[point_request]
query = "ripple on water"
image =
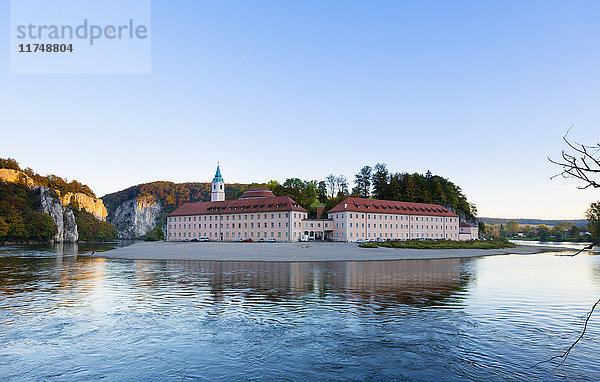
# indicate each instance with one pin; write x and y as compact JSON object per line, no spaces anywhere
{"x":73,"y":317}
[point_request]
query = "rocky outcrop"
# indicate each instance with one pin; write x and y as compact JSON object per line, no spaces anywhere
{"x":94,"y":206}
{"x":14,"y":176}
{"x":135,"y":217}
{"x":63,"y":216}
{"x":87,"y":203}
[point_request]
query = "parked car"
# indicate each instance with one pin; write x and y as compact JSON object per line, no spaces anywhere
{"x":185,"y":240}
{"x":194,"y":240}
{"x":304,"y":238}
{"x":238,"y":240}
{"x":360,"y":241}
{"x":270,"y":240}
{"x":380,"y":240}
{"x":260,"y":240}
{"x":203,"y":238}
{"x":247,"y":240}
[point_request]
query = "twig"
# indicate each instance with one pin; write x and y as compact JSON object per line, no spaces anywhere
{"x":582,"y":165}
{"x":566,"y":353}
{"x":588,"y":248}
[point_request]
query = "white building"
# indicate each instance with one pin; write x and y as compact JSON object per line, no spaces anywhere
{"x":468,"y":232}
{"x":259,"y":214}
{"x":360,"y":218}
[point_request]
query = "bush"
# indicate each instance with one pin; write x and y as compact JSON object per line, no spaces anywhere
{"x":156,"y":234}
{"x":443,"y":244}
{"x":368,"y":245}
{"x":92,"y":229}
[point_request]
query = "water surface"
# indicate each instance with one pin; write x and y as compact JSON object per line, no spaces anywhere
{"x":66,"y":316}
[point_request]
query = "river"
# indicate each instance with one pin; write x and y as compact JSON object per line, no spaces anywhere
{"x":65,"y":315}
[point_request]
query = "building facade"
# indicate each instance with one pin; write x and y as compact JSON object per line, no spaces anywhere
{"x":468,"y":231}
{"x":359,"y":218}
{"x":259,"y":214}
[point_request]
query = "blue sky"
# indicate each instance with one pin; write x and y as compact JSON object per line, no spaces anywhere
{"x":478,"y":92}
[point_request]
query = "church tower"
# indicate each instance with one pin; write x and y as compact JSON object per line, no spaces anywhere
{"x":218,"y":187}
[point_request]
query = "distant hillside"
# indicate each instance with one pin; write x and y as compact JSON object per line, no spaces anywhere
{"x":170,"y":195}
{"x":139,"y":209}
{"x":577,"y":222}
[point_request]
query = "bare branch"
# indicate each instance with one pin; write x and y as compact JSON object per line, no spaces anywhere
{"x":581,"y":165}
{"x":566,"y":353}
{"x":588,"y":248}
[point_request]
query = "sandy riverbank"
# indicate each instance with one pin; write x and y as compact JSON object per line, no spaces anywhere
{"x":299,"y":252}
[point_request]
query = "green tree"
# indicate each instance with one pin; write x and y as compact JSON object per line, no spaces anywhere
{"x":381,"y":177}
{"x":10,"y":164}
{"x":593,"y":217}
{"x":512,"y":228}
{"x":362,"y":182}
{"x":323,"y":192}
{"x":574,"y":232}
{"x":156,"y":234}
{"x":92,"y":229}
{"x":543,"y":232}
{"x":557,"y":232}
{"x":3,"y":228}
{"x":482,"y":229}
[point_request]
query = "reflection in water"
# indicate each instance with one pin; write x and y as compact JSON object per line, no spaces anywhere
{"x":418,"y":282}
{"x":69,"y":316}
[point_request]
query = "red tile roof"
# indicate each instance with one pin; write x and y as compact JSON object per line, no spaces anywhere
{"x":464,"y":224}
{"x":257,"y":192}
{"x":270,"y":204}
{"x":391,"y":207}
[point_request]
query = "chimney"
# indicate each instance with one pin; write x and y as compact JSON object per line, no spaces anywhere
{"x":319,"y":211}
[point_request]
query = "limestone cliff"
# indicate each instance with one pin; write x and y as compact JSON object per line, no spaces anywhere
{"x":15,"y":176}
{"x":63,"y":216}
{"x":135,"y":217}
{"x":94,"y":206}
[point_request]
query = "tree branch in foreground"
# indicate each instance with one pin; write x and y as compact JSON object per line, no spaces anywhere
{"x":582,"y":164}
{"x":566,"y":353}
{"x":588,"y":248}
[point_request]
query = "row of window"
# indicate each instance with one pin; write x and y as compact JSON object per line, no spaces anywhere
{"x":402,"y":226}
{"x":233,"y":225}
{"x":233,"y":217}
{"x":312,"y":225}
{"x":396,"y":235}
{"x":227,"y":234}
{"x":394,"y":217}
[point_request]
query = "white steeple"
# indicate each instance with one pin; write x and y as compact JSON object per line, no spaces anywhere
{"x":217,"y":193}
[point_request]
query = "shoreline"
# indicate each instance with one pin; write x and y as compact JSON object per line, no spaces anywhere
{"x":300,"y":252}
